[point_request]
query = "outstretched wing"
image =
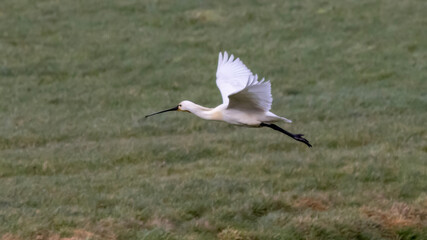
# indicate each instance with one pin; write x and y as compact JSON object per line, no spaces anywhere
{"x":255,"y":95}
{"x":231,"y":76}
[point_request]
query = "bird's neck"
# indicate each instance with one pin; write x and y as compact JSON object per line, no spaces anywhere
{"x":205,"y":113}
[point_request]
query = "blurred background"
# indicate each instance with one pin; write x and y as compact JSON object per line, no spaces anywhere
{"x":78,"y":161}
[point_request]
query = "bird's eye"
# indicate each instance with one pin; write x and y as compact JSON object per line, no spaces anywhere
{"x":179,"y":105}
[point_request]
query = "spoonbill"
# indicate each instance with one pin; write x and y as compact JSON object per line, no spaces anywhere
{"x":246,"y":101}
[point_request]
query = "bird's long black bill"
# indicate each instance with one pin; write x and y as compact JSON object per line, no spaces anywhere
{"x":168,"y":110}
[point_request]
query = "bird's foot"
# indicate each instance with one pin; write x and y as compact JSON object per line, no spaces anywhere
{"x":299,"y":138}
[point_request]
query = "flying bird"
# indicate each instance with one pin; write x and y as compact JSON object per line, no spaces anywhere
{"x":246,"y":101}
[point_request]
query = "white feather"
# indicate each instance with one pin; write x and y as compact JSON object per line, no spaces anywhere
{"x":231,"y":76}
{"x":239,"y":88}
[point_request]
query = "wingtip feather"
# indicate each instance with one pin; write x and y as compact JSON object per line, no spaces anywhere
{"x":231,"y":58}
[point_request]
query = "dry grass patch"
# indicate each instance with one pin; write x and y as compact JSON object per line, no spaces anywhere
{"x":205,"y":225}
{"x":314,"y":203}
{"x":78,"y":234}
{"x":203,"y":16}
{"x":399,"y":215}
{"x":159,"y":222}
{"x":9,"y":236}
{"x":102,"y":230}
{"x":232,"y":234}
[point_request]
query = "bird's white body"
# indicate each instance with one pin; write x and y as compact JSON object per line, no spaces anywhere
{"x":248,"y":117}
{"x":246,"y":101}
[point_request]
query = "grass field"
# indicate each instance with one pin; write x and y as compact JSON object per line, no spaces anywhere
{"x":78,"y":160}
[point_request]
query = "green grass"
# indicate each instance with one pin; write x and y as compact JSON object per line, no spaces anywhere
{"x":78,"y":159}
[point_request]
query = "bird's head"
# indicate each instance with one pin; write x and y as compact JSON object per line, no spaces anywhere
{"x":183,"y":106}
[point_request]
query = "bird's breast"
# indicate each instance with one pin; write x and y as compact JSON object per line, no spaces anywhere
{"x":217,"y":115}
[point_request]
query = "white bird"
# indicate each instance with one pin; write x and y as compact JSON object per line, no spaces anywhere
{"x":246,"y":101}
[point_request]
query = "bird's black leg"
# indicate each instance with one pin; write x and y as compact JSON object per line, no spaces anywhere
{"x":297,"y":137}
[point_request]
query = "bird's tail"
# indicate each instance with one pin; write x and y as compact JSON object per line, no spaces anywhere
{"x":286,"y":120}
{"x":275,"y":118}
